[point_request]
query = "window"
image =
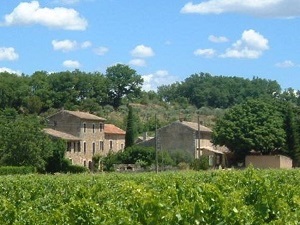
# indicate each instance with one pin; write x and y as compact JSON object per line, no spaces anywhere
{"x":84,"y":127}
{"x":122,"y":146}
{"x":93,"y":128}
{"x":84,"y":163}
{"x":69,"y":146}
{"x":110,"y":144}
{"x":90,"y":165}
{"x":94,"y":148}
{"x":84,"y":147}
{"x":101,"y":145}
{"x":101,"y":127}
{"x":78,"y":146}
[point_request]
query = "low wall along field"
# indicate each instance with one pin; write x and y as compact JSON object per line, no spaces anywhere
{"x":215,"y":197}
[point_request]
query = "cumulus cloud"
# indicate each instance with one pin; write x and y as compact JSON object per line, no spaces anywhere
{"x":8,"y":54}
{"x":216,"y":39}
{"x":64,"y":45}
{"x":160,"y":77}
{"x":8,"y":70}
{"x":71,"y":64}
{"x":101,"y":50}
{"x":28,"y":13}
{"x":251,"y":45}
{"x":208,"y":53}
{"x":68,"y":45}
{"x":263,"y":8}
{"x":138,"y":62}
{"x":142,"y":51}
{"x":285,"y":64}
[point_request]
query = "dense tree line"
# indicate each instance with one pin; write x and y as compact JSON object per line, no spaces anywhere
{"x":78,"y":90}
{"x":217,"y":91}
{"x":73,"y":90}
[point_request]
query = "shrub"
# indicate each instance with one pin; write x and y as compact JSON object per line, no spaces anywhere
{"x":12,"y":170}
{"x":201,"y":164}
{"x":76,"y":169}
{"x":183,"y":166}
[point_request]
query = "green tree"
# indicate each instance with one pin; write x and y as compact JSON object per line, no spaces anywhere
{"x":13,"y":90}
{"x":40,"y":92}
{"x":205,"y":90}
{"x":22,"y":141}
{"x":131,"y":131}
{"x":291,"y":124}
{"x":253,"y":125}
{"x":57,"y":161}
{"x":122,"y":81}
{"x":138,"y":154}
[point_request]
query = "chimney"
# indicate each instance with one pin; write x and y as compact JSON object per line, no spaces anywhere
{"x":145,"y":136}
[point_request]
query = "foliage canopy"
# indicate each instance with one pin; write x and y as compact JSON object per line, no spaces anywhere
{"x":253,"y":125}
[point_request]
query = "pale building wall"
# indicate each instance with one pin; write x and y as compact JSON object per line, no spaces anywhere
{"x":116,"y":140}
{"x":176,"y":137}
{"x":268,"y":161}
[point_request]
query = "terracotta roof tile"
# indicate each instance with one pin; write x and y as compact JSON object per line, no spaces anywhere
{"x":112,"y":129}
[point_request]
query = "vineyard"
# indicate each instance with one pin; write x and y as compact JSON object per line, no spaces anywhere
{"x":215,"y":197}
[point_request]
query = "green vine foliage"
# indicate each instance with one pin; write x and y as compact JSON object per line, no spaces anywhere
{"x":253,"y":197}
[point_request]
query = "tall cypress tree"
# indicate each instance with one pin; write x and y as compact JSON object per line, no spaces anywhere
{"x":292,"y":134}
{"x":130,"y":129}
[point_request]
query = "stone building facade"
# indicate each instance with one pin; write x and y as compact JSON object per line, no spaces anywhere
{"x":192,"y":138}
{"x":86,"y":135}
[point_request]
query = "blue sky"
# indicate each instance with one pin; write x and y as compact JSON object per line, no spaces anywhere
{"x":164,"y":41}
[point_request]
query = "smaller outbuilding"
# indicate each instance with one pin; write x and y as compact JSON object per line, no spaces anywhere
{"x":269,"y":161}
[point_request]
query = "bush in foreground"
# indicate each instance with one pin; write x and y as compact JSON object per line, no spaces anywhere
{"x":13,"y":170}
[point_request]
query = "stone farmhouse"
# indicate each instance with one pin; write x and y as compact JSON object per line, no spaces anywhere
{"x":192,"y":138}
{"x":86,"y":135}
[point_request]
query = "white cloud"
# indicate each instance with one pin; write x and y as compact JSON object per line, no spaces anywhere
{"x":208,"y":53}
{"x":8,"y":70}
{"x":251,"y":45}
{"x":285,"y":64}
{"x":86,"y":44}
{"x":264,"y":8}
{"x":27,"y":13}
{"x":137,"y":62}
{"x":8,"y":54}
{"x":216,"y":39}
{"x":160,"y":77}
{"x":64,"y":45}
{"x":101,"y":50}
{"x":71,"y":64}
{"x":142,"y":51}
{"x":68,"y":45}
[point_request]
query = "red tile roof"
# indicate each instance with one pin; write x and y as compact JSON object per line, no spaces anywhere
{"x":112,"y":129}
